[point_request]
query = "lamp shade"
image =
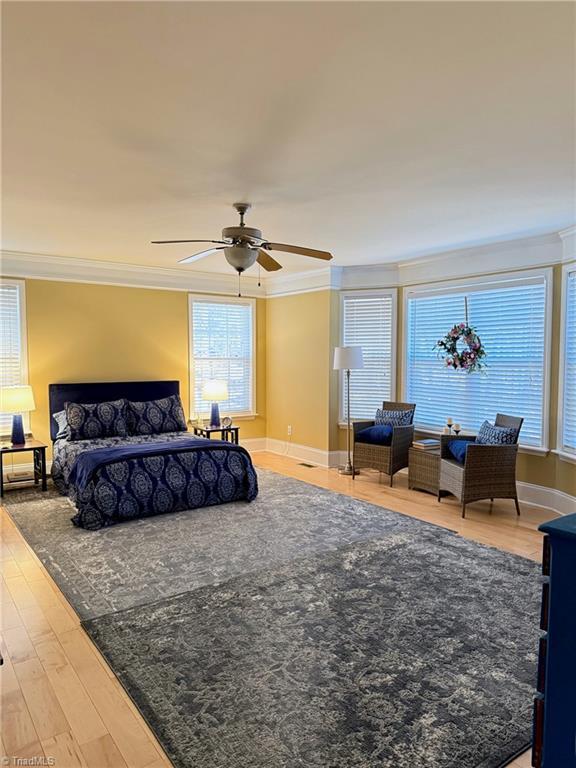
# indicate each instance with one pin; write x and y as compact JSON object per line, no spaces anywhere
{"x":348,"y":358}
{"x":16,"y":399}
{"x":215,"y":390}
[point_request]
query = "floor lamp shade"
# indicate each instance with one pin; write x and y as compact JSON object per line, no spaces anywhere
{"x":348,"y":358}
{"x":215,"y":391}
{"x":17,"y":400}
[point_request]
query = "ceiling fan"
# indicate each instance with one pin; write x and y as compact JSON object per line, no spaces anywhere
{"x":243,"y":246}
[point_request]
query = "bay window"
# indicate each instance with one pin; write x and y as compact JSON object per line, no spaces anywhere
{"x":511,"y":316}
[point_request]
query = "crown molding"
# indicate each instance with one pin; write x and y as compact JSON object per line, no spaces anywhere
{"x":66,"y":269}
{"x":502,"y":256}
{"x":567,"y":232}
{"x":370,"y":276}
{"x":568,"y":238}
{"x":325,"y":279}
{"x":511,"y":255}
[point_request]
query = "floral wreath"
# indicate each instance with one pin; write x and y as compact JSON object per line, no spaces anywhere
{"x":469,"y":359}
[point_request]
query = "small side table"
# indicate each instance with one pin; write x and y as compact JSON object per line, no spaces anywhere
{"x":424,"y":469}
{"x":39,"y":451}
{"x":229,"y":434}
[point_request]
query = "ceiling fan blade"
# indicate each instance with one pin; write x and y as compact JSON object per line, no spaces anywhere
{"x":267,"y":262}
{"x":164,"y":242}
{"x":298,"y":249}
{"x":198,"y":256}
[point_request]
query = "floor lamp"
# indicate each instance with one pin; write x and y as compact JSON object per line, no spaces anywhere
{"x":348,"y":359}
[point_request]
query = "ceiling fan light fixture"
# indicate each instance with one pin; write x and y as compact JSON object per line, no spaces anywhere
{"x":241,"y":257}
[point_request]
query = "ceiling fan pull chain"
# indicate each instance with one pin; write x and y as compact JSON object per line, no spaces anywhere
{"x":259,"y":284}
{"x":239,"y":276}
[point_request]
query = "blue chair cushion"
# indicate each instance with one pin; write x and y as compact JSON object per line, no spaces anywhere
{"x":458,"y":449}
{"x":379,"y":434}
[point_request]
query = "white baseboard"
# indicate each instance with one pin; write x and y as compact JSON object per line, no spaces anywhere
{"x":536,"y":495}
{"x":550,"y":498}
{"x":303,"y":452}
{"x":254,"y":444}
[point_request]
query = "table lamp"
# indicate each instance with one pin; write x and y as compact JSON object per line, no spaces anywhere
{"x":17,"y":400}
{"x":215,"y":391}
{"x":347,"y":359}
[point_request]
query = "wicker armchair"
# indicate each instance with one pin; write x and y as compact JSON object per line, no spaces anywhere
{"x":488,"y":472}
{"x":385,"y":458}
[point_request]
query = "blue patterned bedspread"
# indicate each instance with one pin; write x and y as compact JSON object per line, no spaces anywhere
{"x":171,"y":472}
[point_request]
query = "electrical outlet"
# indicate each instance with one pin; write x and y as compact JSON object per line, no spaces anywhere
{"x":289,"y":430}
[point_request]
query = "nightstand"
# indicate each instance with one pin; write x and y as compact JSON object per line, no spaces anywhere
{"x":39,"y":451}
{"x":229,"y":434}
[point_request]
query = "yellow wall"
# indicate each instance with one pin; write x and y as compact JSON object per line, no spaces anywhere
{"x":83,"y":332}
{"x":298,"y":369}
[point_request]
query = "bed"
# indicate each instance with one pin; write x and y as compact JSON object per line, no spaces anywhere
{"x":115,"y":478}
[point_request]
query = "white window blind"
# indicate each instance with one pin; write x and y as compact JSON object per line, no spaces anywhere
{"x":511,"y":322}
{"x":12,"y":342}
{"x":569,"y":362}
{"x":367,"y":321}
{"x":222,"y":345}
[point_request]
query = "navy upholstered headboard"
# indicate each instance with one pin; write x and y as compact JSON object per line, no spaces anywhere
{"x":99,"y":392}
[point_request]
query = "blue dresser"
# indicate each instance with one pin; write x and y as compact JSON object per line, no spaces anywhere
{"x":554,"y":742}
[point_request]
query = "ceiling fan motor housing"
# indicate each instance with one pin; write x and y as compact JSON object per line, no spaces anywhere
{"x":248,"y":234}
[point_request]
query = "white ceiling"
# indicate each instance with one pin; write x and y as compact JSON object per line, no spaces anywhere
{"x":379,"y":131}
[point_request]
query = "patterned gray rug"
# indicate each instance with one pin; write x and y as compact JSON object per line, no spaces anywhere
{"x":306,"y":629}
{"x":146,"y":560}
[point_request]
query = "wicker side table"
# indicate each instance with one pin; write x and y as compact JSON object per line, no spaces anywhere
{"x":424,"y":470}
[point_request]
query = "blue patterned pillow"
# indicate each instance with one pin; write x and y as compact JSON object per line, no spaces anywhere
{"x":394,"y":418}
{"x":88,"y":421}
{"x":153,"y":417}
{"x":63,"y":428}
{"x":488,"y":434}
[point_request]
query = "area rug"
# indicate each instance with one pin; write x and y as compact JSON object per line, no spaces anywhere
{"x":145,"y":560}
{"x":383,"y":642}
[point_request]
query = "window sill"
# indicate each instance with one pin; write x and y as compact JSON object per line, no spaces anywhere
{"x":564,"y":456}
{"x":533,"y":450}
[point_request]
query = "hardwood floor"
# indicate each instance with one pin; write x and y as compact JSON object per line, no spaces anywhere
{"x":60,"y":700}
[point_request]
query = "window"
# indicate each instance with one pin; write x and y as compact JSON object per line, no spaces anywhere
{"x":222,"y":347}
{"x":567,"y":421}
{"x":511,"y":319}
{"x":369,"y":321}
{"x":13,"y":352}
